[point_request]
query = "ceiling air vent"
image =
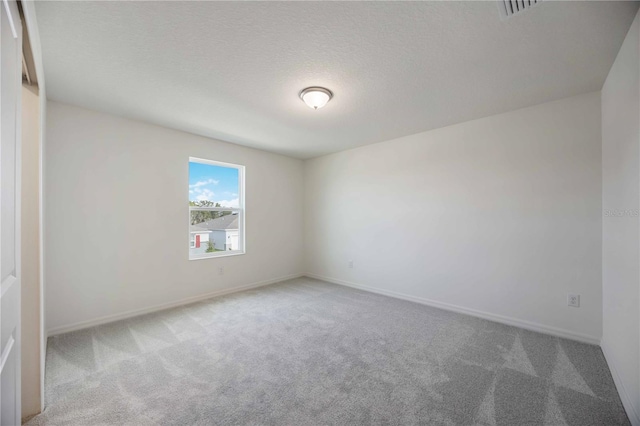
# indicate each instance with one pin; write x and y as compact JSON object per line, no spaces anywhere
{"x":508,"y":8}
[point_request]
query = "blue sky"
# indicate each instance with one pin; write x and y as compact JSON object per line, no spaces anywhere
{"x":213,"y":183}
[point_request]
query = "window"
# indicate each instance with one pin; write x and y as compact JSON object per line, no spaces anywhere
{"x":216,"y":209}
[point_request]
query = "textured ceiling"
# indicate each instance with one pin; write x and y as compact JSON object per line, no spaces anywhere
{"x":233,"y":70}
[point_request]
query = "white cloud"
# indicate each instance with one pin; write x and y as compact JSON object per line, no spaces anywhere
{"x":205,"y":194}
{"x":229,"y":203}
{"x":203,"y":183}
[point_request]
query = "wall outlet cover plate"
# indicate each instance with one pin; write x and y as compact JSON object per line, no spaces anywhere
{"x":573,"y":300}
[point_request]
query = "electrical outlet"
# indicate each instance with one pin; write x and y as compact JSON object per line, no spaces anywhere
{"x":351,"y":264}
{"x":573,"y":300}
{"x":221,"y":270}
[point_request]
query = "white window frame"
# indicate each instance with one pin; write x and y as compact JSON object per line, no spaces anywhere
{"x":240,"y":210}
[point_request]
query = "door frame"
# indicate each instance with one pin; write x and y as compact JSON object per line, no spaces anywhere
{"x":29,"y":11}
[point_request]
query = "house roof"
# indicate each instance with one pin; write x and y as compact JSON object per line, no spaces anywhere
{"x":225,"y":222}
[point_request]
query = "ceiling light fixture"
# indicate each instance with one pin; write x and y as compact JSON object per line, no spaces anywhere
{"x":316,"y":97}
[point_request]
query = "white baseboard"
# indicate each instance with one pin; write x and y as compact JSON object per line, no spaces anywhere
{"x":133,"y":313}
{"x":631,"y":407}
{"x":568,"y":334}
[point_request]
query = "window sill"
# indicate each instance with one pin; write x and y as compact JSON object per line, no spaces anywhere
{"x":217,"y":254}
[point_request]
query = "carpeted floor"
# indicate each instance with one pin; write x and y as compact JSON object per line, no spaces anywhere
{"x":304,"y":352}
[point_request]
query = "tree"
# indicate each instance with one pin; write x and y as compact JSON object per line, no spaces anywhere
{"x":199,"y":216}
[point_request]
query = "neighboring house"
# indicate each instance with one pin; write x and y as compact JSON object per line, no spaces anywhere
{"x":199,"y":238}
{"x":221,"y":231}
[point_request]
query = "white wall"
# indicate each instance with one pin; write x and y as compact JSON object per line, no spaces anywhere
{"x":500,"y":215}
{"x":621,"y":229}
{"x":110,"y":181}
{"x":30,"y":251}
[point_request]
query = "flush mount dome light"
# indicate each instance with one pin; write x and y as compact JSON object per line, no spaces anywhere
{"x":316,"y":97}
